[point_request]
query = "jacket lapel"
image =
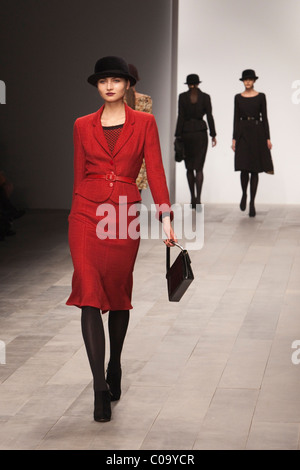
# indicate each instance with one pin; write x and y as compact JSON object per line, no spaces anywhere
{"x":98,"y":131}
{"x":127,"y":130}
{"x":124,"y":135}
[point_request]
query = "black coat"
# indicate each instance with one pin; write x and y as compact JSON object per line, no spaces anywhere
{"x":192,"y":128}
{"x":188,"y":111}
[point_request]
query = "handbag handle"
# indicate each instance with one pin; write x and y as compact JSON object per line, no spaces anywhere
{"x":168,"y":254}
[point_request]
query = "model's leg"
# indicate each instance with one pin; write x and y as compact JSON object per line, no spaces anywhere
{"x":191,"y":182}
{"x":199,"y":183}
{"x":94,"y":339}
{"x":117,"y":326}
{"x":253,"y":190}
{"x":244,"y":184}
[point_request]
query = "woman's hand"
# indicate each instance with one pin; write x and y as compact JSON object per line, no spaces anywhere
{"x":269,"y":144}
{"x":213,"y":142}
{"x":233,"y":144}
{"x":168,"y":229}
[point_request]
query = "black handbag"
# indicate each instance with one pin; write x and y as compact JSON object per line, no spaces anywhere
{"x":179,"y":275}
{"x":179,"y":150}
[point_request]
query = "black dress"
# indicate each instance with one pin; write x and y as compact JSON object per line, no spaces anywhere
{"x":192,"y":128}
{"x":251,"y":132}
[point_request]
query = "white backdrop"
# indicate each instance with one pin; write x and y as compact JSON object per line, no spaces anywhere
{"x":217,"y":40}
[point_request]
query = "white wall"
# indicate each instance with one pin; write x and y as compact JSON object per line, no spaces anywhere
{"x":220,"y":38}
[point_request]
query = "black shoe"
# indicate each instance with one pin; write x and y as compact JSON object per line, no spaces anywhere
{"x":252,"y":211}
{"x":193,"y":203}
{"x":113,"y":379}
{"x":243,"y":202}
{"x":102,"y":410}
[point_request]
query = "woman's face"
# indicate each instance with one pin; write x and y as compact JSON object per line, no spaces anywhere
{"x":249,"y":83}
{"x":112,"y":89}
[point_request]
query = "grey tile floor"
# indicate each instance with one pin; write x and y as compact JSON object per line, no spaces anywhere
{"x":214,"y":371}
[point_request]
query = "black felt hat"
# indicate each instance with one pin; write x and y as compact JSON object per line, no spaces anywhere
{"x":192,"y":79}
{"x":249,"y":73}
{"x":111,"y":66}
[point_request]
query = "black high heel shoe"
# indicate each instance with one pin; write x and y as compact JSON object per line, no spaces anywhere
{"x":113,"y":379}
{"x":102,"y":409}
{"x":252,"y":211}
{"x":243,"y":202}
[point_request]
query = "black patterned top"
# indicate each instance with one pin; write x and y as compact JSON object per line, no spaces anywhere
{"x":112,"y":134}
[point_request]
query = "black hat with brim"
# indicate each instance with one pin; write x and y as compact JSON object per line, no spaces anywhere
{"x":192,"y":79}
{"x":250,"y":74}
{"x":111,"y":66}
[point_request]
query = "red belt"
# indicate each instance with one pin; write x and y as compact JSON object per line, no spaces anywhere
{"x":112,"y":177}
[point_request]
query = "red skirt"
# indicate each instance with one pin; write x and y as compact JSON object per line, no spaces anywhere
{"x":104,"y":240}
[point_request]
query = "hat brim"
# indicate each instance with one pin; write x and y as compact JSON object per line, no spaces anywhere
{"x":192,"y":83}
{"x":93,"y":79}
{"x":250,"y":77}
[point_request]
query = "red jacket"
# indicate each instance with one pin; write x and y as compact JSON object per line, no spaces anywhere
{"x":139,"y":138}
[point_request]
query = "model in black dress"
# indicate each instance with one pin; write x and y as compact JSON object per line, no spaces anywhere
{"x":251,"y":138}
{"x":193,"y":105}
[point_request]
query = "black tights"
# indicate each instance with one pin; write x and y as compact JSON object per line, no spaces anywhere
{"x":253,"y":184}
{"x":94,"y":339}
{"x":195,"y":181}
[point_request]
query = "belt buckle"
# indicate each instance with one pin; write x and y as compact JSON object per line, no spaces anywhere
{"x":110,"y":176}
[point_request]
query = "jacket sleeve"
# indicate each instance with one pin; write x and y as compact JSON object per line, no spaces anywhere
{"x":210,"y":119}
{"x":180,"y":118}
{"x":264,"y":116}
{"x":79,"y":159}
{"x":236,"y":118}
{"x":155,"y":169}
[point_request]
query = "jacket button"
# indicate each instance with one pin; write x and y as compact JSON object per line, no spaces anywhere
{"x":111,"y":162}
{"x":111,"y":184}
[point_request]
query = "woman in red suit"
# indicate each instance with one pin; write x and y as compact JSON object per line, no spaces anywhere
{"x":109,"y":147}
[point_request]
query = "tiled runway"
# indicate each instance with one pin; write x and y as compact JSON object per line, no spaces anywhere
{"x":214,"y":371}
